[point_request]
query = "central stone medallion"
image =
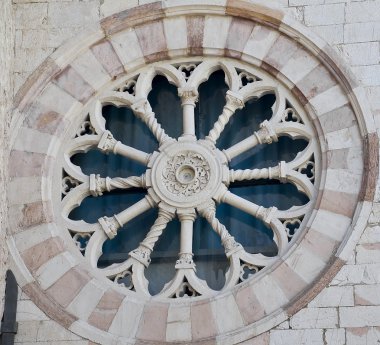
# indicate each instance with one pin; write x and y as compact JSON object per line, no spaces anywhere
{"x":186,"y":173}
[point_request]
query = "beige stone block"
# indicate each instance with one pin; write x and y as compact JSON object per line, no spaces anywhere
{"x":269,"y":294}
{"x":36,"y":256}
{"x":54,"y":269}
{"x":344,"y":138}
{"x":131,"y":311}
{"x":249,"y":306}
{"x":105,"y":311}
{"x":343,"y":180}
{"x":315,"y":318}
{"x":109,"y":7}
{"x":306,"y":264}
{"x":30,"y":140}
{"x":215,"y":33}
{"x":34,"y":235}
{"x":370,"y":235}
{"x":44,"y":302}
{"x":68,"y":286}
{"x":334,"y":296}
{"x":239,"y":33}
{"x":176,"y":34}
{"x":59,"y":35}
{"x":87,"y":299}
{"x":28,"y":311}
{"x":30,"y":16}
{"x":320,"y":245}
{"x":73,"y":14}
{"x":367,"y":294}
{"x":178,"y":331}
{"x":26,"y":215}
{"x":28,"y":59}
{"x":177,"y":313}
{"x":329,"y":100}
{"x":226,"y":314}
{"x":335,"y":336}
{"x":70,"y":81}
{"x":361,"y":32}
{"x":296,"y":337}
{"x":365,"y":53}
{"x":339,"y":202}
{"x":97,"y":337}
{"x":338,"y":119}
{"x":152,"y":41}
{"x":324,"y":14}
{"x":128,"y":49}
{"x":300,"y":58}
{"x":56,"y":99}
{"x":106,"y":55}
{"x":195,"y":32}
{"x":368,"y":253}
{"x":42,"y":120}
{"x":203,"y":324}
{"x":358,"y":274}
{"x":368,"y":75}
{"x":333,"y":34}
{"x":289,"y":282}
{"x":281,"y":52}
{"x":362,"y":335}
{"x":27,"y":331}
{"x":30,"y":187}
{"x":359,"y":316}
{"x":31,"y":38}
{"x":366,"y":11}
{"x":91,"y":70}
{"x":52,"y":331}
{"x":27,"y":164}
{"x":329,"y":224}
{"x":261,"y":40}
{"x":153,"y":322}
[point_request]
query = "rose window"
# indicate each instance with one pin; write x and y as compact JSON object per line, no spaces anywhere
{"x":200,"y":191}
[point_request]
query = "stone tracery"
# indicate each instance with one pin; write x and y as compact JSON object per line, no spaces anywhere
{"x":188,"y":177}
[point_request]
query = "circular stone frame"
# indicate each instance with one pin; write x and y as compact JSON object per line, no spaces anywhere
{"x":52,"y":272}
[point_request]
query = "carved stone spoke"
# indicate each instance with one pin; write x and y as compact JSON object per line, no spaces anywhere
{"x":109,"y":144}
{"x":99,"y":185}
{"x":187,"y":176}
{"x":143,"y":111}
{"x":234,"y":101}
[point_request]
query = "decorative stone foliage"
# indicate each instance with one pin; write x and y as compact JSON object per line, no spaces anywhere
{"x":51,"y":269}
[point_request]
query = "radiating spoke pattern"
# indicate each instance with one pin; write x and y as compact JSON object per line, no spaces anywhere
{"x":189,"y":177}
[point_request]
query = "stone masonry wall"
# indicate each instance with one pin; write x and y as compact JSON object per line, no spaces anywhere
{"x":6,"y":58}
{"x":346,"y":312}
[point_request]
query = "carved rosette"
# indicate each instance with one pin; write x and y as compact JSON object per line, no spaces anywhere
{"x":186,"y":174}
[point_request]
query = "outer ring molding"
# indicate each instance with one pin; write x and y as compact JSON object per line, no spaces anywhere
{"x":60,"y":282}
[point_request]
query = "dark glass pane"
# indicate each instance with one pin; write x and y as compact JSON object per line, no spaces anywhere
{"x":167,"y":105}
{"x":212,"y":98}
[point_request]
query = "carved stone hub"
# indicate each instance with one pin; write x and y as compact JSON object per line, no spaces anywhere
{"x":186,"y":173}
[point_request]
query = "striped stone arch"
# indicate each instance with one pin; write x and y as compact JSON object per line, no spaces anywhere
{"x":61,"y":282}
